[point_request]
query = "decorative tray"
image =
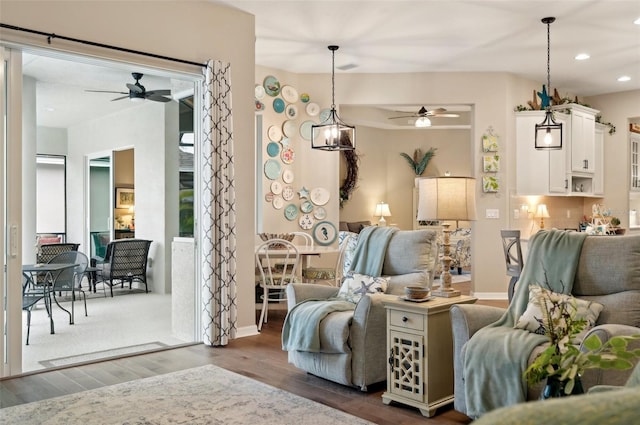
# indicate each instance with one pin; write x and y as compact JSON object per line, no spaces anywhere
{"x":417,"y":300}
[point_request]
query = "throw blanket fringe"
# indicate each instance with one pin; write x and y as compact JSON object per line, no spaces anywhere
{"x":368,"y":257}
{"x":496,"y":356}
{"x":301,"y":330}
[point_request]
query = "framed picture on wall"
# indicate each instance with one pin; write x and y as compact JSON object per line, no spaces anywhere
{"x":124,"y":197}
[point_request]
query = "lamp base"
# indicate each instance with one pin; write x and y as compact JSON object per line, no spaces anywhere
{"x":382,"y":222}
{"x":446,"y":292}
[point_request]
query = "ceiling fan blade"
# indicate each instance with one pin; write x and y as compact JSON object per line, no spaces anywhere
{"x":436,"y":111}
{"x":134,"y":88}
{"x":446,"y":115}
{"x":158,"y":98}
{"x":120,"y":98}
{"x":159,"y":92}
{"x":403,"y":116}
{"x":105,"y":91}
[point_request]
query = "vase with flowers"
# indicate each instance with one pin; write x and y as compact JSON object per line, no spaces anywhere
{"x":562,"y":363}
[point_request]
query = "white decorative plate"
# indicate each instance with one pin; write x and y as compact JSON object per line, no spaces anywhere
{"x":272,"y":169}
{"x":306,"y":207}
{"x":274,"y":133}
{"x":278,"y":202}
{"x":259,"y":91}
{"x":287,"y":155}
{"x":320,"y":213}
{"x":287,"y":176}
{"x":306,"y":221}
{"x":324,"y":115}
{"x":288,"y":192}
{"x":291,"y":112}
{"x":312,"y":109}
{"x":289,"y":94}
{"x":320,"y":196}
{"x":324,"y":233}
{"x":305,"y":129}
{"x":276,"y":187}
{"x":289,"y":128}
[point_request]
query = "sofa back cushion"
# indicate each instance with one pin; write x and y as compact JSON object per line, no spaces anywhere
{"x":411,"y":259}
{"x":609,"y":273}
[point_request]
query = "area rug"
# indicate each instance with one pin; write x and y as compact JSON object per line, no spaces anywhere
{"x":203,"y":395}
{"x":87,"y":357}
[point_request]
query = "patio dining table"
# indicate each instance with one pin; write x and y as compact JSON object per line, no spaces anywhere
{"x":51,"y":271}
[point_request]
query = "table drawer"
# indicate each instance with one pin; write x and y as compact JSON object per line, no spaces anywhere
{"x":406,"y":320}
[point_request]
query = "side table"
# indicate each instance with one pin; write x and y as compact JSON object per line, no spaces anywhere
{"x":420,"y":347}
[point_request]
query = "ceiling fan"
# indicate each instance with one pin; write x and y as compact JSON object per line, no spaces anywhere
{"x":423,"y":112}
{"x":138,"y":92}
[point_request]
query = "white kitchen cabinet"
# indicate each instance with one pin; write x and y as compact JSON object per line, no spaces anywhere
{"x":575,"y":170}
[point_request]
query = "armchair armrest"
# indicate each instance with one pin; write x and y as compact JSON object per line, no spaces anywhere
{"x":466,"y":320}
{"x":298,"y":292}
{"x":609,"y":377}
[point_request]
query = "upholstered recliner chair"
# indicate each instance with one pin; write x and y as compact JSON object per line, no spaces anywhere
{"x":353,"y":343}
{"x":608,"y":272}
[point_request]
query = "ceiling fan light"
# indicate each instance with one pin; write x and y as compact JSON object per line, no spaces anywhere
{"x":423,"y":122}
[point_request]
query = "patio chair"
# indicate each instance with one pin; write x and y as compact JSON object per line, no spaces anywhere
{"x":30,"y":297}
{"x":125,"y":261}
{"x":68,"y":280}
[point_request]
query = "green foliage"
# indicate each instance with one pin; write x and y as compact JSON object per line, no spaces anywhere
{"x":562,"y":358}
{"x":419,"y":162}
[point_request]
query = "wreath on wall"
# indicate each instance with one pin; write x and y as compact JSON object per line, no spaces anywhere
{"x":349,"y":184}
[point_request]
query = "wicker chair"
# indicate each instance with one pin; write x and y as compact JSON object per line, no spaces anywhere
{"x":125,"y":261}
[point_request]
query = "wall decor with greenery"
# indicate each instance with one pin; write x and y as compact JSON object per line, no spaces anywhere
{"x":419,"y":162}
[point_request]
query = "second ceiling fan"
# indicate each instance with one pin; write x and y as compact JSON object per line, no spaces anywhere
{"x":137,"y":91}
{"x":423,"y":114}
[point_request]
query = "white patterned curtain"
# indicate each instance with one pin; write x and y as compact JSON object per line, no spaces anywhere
{"x":218,"y":222}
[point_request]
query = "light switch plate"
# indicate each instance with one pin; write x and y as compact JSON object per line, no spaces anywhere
{"x":492,"y":213}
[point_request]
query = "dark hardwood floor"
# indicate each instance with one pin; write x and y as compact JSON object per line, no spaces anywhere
{"x":259,"y":357}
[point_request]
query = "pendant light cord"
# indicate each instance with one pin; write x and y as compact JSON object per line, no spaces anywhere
{"x":549,"y":60}
{"x":333,"y":76}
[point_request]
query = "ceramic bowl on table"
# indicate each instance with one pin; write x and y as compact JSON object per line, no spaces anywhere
{"x":416,"y":292}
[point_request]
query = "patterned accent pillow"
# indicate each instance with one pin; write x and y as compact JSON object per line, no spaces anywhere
{"x":355,"y":285}
{"x":352,"y":242}
{"x":531,"y":319}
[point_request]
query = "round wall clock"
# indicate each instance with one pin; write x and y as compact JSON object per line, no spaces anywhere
{"x":324,"y":233}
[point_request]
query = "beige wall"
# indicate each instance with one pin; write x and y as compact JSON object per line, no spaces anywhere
{"x":195,"y":31}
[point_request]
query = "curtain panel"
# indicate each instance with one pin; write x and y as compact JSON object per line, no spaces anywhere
{"x":218,"y":219}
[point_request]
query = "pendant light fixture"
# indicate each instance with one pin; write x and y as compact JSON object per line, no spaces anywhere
{"x":333,"y":134}
{"x":548,"y":132}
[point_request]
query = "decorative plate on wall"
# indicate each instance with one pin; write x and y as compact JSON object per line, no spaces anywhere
{"x":272,"y":169}
{"x":276,"y":187}
{"x":274,"y":133}
{"x":291,"y":111}
{"x":304,"y":97}
{"x":268,"y":197}
{"x":312,"y":109}
{"x":287,"y":176}
{"x":289,"y":128}
{"x":288,"y":192}
{"x":306,"y":221}
{"x":259,"y":106}
{"x":273,"y":149}
{"x":278,"y":202}
{"x":287,"y":155}
{"x":324,"y":233}
{"x":324,"y":115}
{"x":289,"y":94}
{"x":278,"y":105}
{"x":305,"y":129}
{"x":306,"y":207}
{"x":291,"y":212}
{"x":271,"y":85}
{"x":320,"y":196}
{"x":259,"y":91}
{"x":320,"y":213}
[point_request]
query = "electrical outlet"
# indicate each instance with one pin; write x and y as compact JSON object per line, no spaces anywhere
{"x":492,"y":213}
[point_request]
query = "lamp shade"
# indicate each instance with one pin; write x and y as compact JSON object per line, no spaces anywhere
{"x":447,"y":198}
{"x":542,"y":211}
{"x":382,"y":210}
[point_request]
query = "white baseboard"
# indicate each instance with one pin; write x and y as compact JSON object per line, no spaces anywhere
{"x":247,"y":331}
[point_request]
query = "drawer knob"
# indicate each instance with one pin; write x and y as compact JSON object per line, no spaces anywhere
{"x":405,"y":318}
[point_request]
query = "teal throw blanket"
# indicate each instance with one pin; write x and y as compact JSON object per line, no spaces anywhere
{"x":368,"y":257}
{"x":301,"y":330}
{"x":496,"y":356}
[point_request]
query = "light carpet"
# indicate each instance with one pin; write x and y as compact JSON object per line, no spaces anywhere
{"x":203,"y":395}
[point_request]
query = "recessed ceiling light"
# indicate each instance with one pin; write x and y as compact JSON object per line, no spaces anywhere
{"x":582,"y":56}
{"x":637,"y":21}
{"x":624,"y":78}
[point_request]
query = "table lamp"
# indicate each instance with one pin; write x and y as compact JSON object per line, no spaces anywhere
{"x":382,"y":211}
{"x":446,"y":198}
{"x":542,"y":213}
